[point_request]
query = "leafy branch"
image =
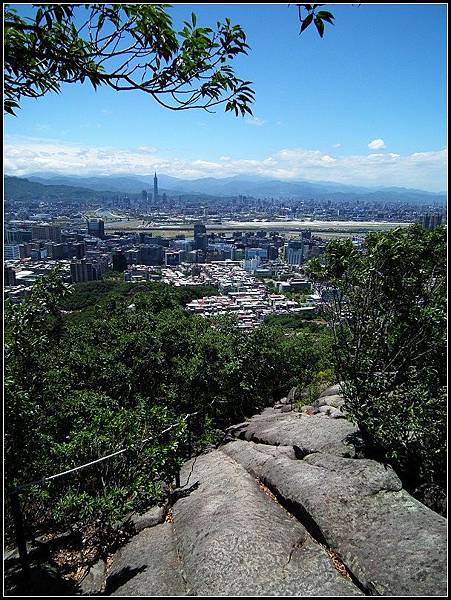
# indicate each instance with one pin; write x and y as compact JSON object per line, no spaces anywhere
{"x":125,"y":47}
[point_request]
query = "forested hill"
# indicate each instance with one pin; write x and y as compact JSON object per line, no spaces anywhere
{"x":17,"y":188}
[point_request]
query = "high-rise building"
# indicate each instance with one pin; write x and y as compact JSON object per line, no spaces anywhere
{"x":96,"y":228}
{"x":119,"y":261}
{"x":44,"y":231}
{"x":11,"y":252}
{"x":78,"y":250}
{"x":82,"y":270}
{"x":426,"y":221}
{"x":431,"y":221}
{"x":155,"y":188}
{"x":201,"y":242}
{"x":436,"y":220}
{"x":150,"y":254}
{"x":25,"y":250}
{"x":39,"y":254}
{"x":295,"y":252}
{"x":200,"y":237}
{"x":18,"y":236}
{"x":273,"y":252}
{"x":199,"y":229}
{"x":261,"y":253}
{"x":132,"y":256}
{"x":172,"y":258}
{"x":55,"y":251}
{"x":10,"y":276}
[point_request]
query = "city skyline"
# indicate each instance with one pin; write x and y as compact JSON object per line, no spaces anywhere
{"x":365,"y":105}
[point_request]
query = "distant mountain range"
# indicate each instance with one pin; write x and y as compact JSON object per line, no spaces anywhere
{"x":258,"y":187}
{"x":18,"y":188}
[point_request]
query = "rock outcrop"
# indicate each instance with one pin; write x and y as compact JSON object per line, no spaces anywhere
{"x":285,"y":508}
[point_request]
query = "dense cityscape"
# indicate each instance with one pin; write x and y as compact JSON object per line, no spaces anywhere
{"x":251,"y":269}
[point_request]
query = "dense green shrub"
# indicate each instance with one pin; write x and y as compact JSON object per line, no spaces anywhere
{"x":131,"y":363}
{"x":387,"y":310}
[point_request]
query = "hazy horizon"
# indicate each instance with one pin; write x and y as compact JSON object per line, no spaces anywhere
{"x":244,"y":176}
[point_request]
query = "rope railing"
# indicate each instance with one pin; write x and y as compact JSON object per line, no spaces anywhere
{"x":14,"y":494}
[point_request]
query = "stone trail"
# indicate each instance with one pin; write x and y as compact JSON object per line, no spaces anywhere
{"x":270,"y":509}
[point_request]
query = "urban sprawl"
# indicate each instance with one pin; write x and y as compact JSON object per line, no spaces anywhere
{"x":254,"y":271}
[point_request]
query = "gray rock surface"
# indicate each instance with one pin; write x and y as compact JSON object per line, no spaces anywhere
{"x":326,"y":409}
{"x":337,"y":414}
{"x":310,"y":433}
{"x":147,"y":566}
{"x":331,"y":391}
{"x":308,"y":409}
{"x":331,"y":400}
{"x":231,"y":537}
{"x":393,"y":544}
{"x":94,"y":581}
{"x":234,"y":540}
{"x":152,"y":517}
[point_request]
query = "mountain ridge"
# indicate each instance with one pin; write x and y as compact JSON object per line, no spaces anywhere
{"x":252,"y":186}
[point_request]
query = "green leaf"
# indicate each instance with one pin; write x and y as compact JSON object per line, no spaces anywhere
{"x":306,"y":22}
{"x":326,"y":16}
{"x":319,"y":26}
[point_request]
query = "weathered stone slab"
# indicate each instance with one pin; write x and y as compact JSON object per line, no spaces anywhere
{"x":331,"y":391}
{"x":234,"y":540}
{"x":93,"y":583}
{"x":332,"y":400}
{"x":307,"y":432}
{"x":147,"y":566}
{"x":154,"y":516}
{"x":393,"y":544}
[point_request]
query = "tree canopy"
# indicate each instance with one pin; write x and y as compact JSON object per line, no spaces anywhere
{"x":125,"y":47}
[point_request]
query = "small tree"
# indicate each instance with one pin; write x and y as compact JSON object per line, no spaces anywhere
{"x":387,"y":309}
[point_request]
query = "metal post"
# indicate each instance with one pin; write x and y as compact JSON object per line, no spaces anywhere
{"x":20,"y":533}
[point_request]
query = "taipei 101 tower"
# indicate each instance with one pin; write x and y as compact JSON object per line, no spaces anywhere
{"x":155,"y":188}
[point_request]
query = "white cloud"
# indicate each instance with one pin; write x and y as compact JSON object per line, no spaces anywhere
{"x":255,"y":121}
{"x":377,"y":144}
{"x":336,"y":145}
{"x":424,"y":170}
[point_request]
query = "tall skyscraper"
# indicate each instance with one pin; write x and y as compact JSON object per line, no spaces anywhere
{"x":155,"y":188}
{"x":96,"y":228}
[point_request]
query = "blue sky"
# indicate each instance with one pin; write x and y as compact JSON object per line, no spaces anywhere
{"x":364,"y":105}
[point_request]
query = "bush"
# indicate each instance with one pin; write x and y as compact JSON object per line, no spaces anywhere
{"x":124,"y":369}
{"x":387,"y":311}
